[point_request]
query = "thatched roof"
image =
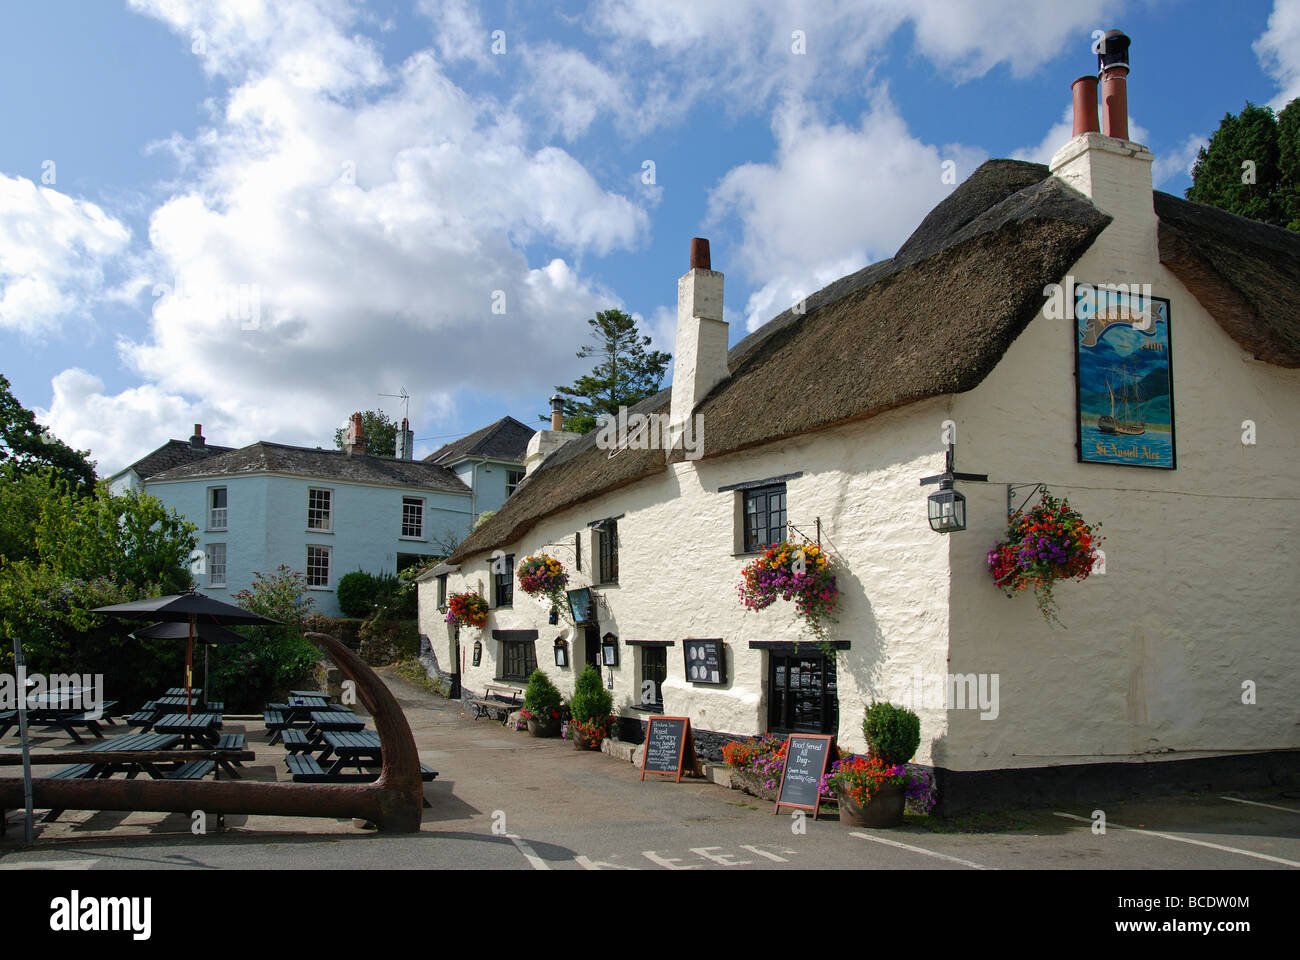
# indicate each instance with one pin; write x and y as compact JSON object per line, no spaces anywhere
{"x":935,"y":319}
{"x":315,"y":463}
{"x":1246,"y":274}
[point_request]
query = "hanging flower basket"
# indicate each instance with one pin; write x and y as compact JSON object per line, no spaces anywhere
{"x":1049,"y":543}
{"x":801,"y":572}
{"x":467,"y":609}
{"x":543,"y":576}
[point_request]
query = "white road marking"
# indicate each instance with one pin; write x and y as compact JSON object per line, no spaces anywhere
{"x":589,"y":864}
{"x":721,"y":859}
{"x":764,"y":853}
{"x":1255,"y":803}
{"x":1174,"y":836}
{"x":48,"y":864}
{"x":537,"y":862}
{"x":928,"y":853}
{"x":668,"y":862}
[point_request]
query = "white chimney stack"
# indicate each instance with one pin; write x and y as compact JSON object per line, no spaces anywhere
{"x":700,"y":354}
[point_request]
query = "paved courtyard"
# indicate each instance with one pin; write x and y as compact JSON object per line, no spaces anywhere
{"x":504,"y":800}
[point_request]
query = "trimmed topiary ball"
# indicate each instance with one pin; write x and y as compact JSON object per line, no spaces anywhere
{"x":893,"y":733}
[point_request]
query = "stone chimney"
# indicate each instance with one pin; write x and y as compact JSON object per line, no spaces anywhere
{"x":354,"y":440}
{"x":197,"y":441}
{"x":543,"y":443}
{"x":405,"y":441}
{"x":1106,"y":166}
{"x":700,"y":353}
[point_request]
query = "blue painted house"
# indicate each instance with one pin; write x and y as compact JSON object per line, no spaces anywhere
{"x":489,"y":461}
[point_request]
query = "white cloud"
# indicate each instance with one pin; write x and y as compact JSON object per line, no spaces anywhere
{"x":342,"y":229}
{"x":1179,"y":161}
{"x":53,"y":249}
{"x":834,"y":199}
{"x":1278,"y":50}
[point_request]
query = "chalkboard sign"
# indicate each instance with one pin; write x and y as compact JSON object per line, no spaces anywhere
{"x":669,"y":747}
{"x":807,"y":757}
{"x":706,"y":661}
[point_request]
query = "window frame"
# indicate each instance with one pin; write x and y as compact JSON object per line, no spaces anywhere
{"x":212,"y":565}
{"x":607,"y":552}
{"x":329,"y":510}
{"x":225,"y":511}
{"x":506,"y":580}
{"x":418,"y":503}
{"x":510,"y":657}
{"x":577,"y":551}
{"x":829,"y":694}
{"x":519,"y":478}
{"x":660,"y":652}
{"x":750,"y":495}
{"x":329,"y":561}
{"x":442,"y":591}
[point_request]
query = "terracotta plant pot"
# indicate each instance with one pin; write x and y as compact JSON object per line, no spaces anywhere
{"x":537,"y":729}
{"x":884,"y":810}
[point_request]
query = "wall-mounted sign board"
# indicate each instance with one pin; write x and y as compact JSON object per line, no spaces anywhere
{"x":669,"y":747}
{"x":706,"y":661}
{"x":580,"y":605}
{"x":807,"y":758}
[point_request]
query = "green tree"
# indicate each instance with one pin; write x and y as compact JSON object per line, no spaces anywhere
{"x":28,"y":446}
{"x":1251,"y":166}
{"x":625,"y":375}
{"x":380,"y":434}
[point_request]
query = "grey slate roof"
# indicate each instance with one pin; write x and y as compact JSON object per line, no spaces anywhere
{"x":507,"y":439}
{"x":264,"y":457}
{"x":173,"y":453}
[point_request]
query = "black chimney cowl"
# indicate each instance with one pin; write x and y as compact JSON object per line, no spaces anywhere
{"x":1113,"y":50}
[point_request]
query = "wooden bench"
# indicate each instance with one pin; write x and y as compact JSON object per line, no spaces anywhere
{"x":306,"y":769}
{"x":274,"y":720}
{"x":499,"y":699}
{"x":194,"y":770}
{"x":295,"y":741}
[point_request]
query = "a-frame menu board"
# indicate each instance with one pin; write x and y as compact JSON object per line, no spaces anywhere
{"x":807,"y":758}
{"x":669,"y":747}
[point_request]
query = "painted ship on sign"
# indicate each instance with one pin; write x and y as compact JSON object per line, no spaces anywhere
{"x":1121,"y":420}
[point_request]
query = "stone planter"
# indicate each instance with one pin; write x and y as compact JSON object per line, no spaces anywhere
{"x":551,"y":729}
{"x":752,"y":784}
{"x":884,"y":810}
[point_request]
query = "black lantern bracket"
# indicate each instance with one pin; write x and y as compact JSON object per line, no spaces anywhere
{"x":1012,"y":489}
{"x":945,"y":481}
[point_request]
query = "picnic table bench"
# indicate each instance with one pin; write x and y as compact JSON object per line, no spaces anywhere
{"x":497,"y":698}
{"x":307,"y":769}
{"x":201,"y":727}
{"x":53,"y":717}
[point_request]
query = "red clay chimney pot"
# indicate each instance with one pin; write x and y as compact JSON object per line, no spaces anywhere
{"x":700,"y":254}
{"x":1085,"y":105}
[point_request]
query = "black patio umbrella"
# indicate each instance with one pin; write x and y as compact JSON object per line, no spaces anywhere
{"x":191,"y":608}
{"x":208,"y":634}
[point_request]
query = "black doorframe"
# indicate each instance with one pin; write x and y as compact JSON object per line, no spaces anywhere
{"x":592,"y":637}
{"x":455,"y":655}
{"x":828,"y":694}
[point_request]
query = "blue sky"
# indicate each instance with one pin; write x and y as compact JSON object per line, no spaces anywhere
{"x":260,"y":215}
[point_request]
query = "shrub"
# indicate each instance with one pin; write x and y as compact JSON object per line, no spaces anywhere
{"x":356,"y":594}
{"x":591,"y":701}
{"x":764,"y":757}
{"x":541,"y":699}
{"x":893,"y":733}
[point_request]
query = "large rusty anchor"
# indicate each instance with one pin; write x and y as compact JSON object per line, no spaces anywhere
{"x":392,"y":803}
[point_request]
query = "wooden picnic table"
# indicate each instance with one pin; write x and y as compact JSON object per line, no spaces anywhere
{"x":62,"y":718}
{"x":195,"y":692}
{"x":299,"y":709}
{"x":333,"y":721}
{"x":351,"y":748}
{"x":201,"y":727}
{"x":132,"y":743}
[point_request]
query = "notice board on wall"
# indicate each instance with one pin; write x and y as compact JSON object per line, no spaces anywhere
{"x":706,"y":661}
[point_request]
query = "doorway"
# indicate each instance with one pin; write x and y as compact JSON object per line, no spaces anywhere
{"x":592,"y":634}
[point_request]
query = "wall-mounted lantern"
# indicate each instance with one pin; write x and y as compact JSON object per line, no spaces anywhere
{"x":554,"y":617}
{"x":561,"y":652}
{"x":609,"y":650}
{"x":947,"y":507}
{"x":478,"y":652}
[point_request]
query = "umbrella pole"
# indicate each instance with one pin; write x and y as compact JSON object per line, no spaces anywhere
{"x":189,"y":670}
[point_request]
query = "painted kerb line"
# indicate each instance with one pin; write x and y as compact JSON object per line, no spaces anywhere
{"x":928,"y":853}
{"x":537,"y":862}
{"x":1256,"y":803}
{"x":1174,"y":836}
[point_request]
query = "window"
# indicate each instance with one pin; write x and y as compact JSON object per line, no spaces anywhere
{"x":513,"y":479}
{"x":518,"y":659}
{"x":577,"y":551}
{"x":764,"y":516}
{"x":503,"y":579}
{"x":802,"y":694}
{"x":217,"y":508}
{"x":318,"y":567}
{"x":654,"y":671}
{"x":607,"y":534}
{"x":442,"y":592}
{"x":412,"y":517}
{"x":318,"y":509}
{"x":216,"y":564}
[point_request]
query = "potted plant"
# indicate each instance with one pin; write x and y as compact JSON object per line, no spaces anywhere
{"x":468,"y":609}
{"x":544,"y":576}
{"x":591,"y":707}
{"x":756,"y":765}
{"x":1049,"y":543}
{"x":801,"y":572}
{"x":870,"y":793}
{"x":542,"y":705}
